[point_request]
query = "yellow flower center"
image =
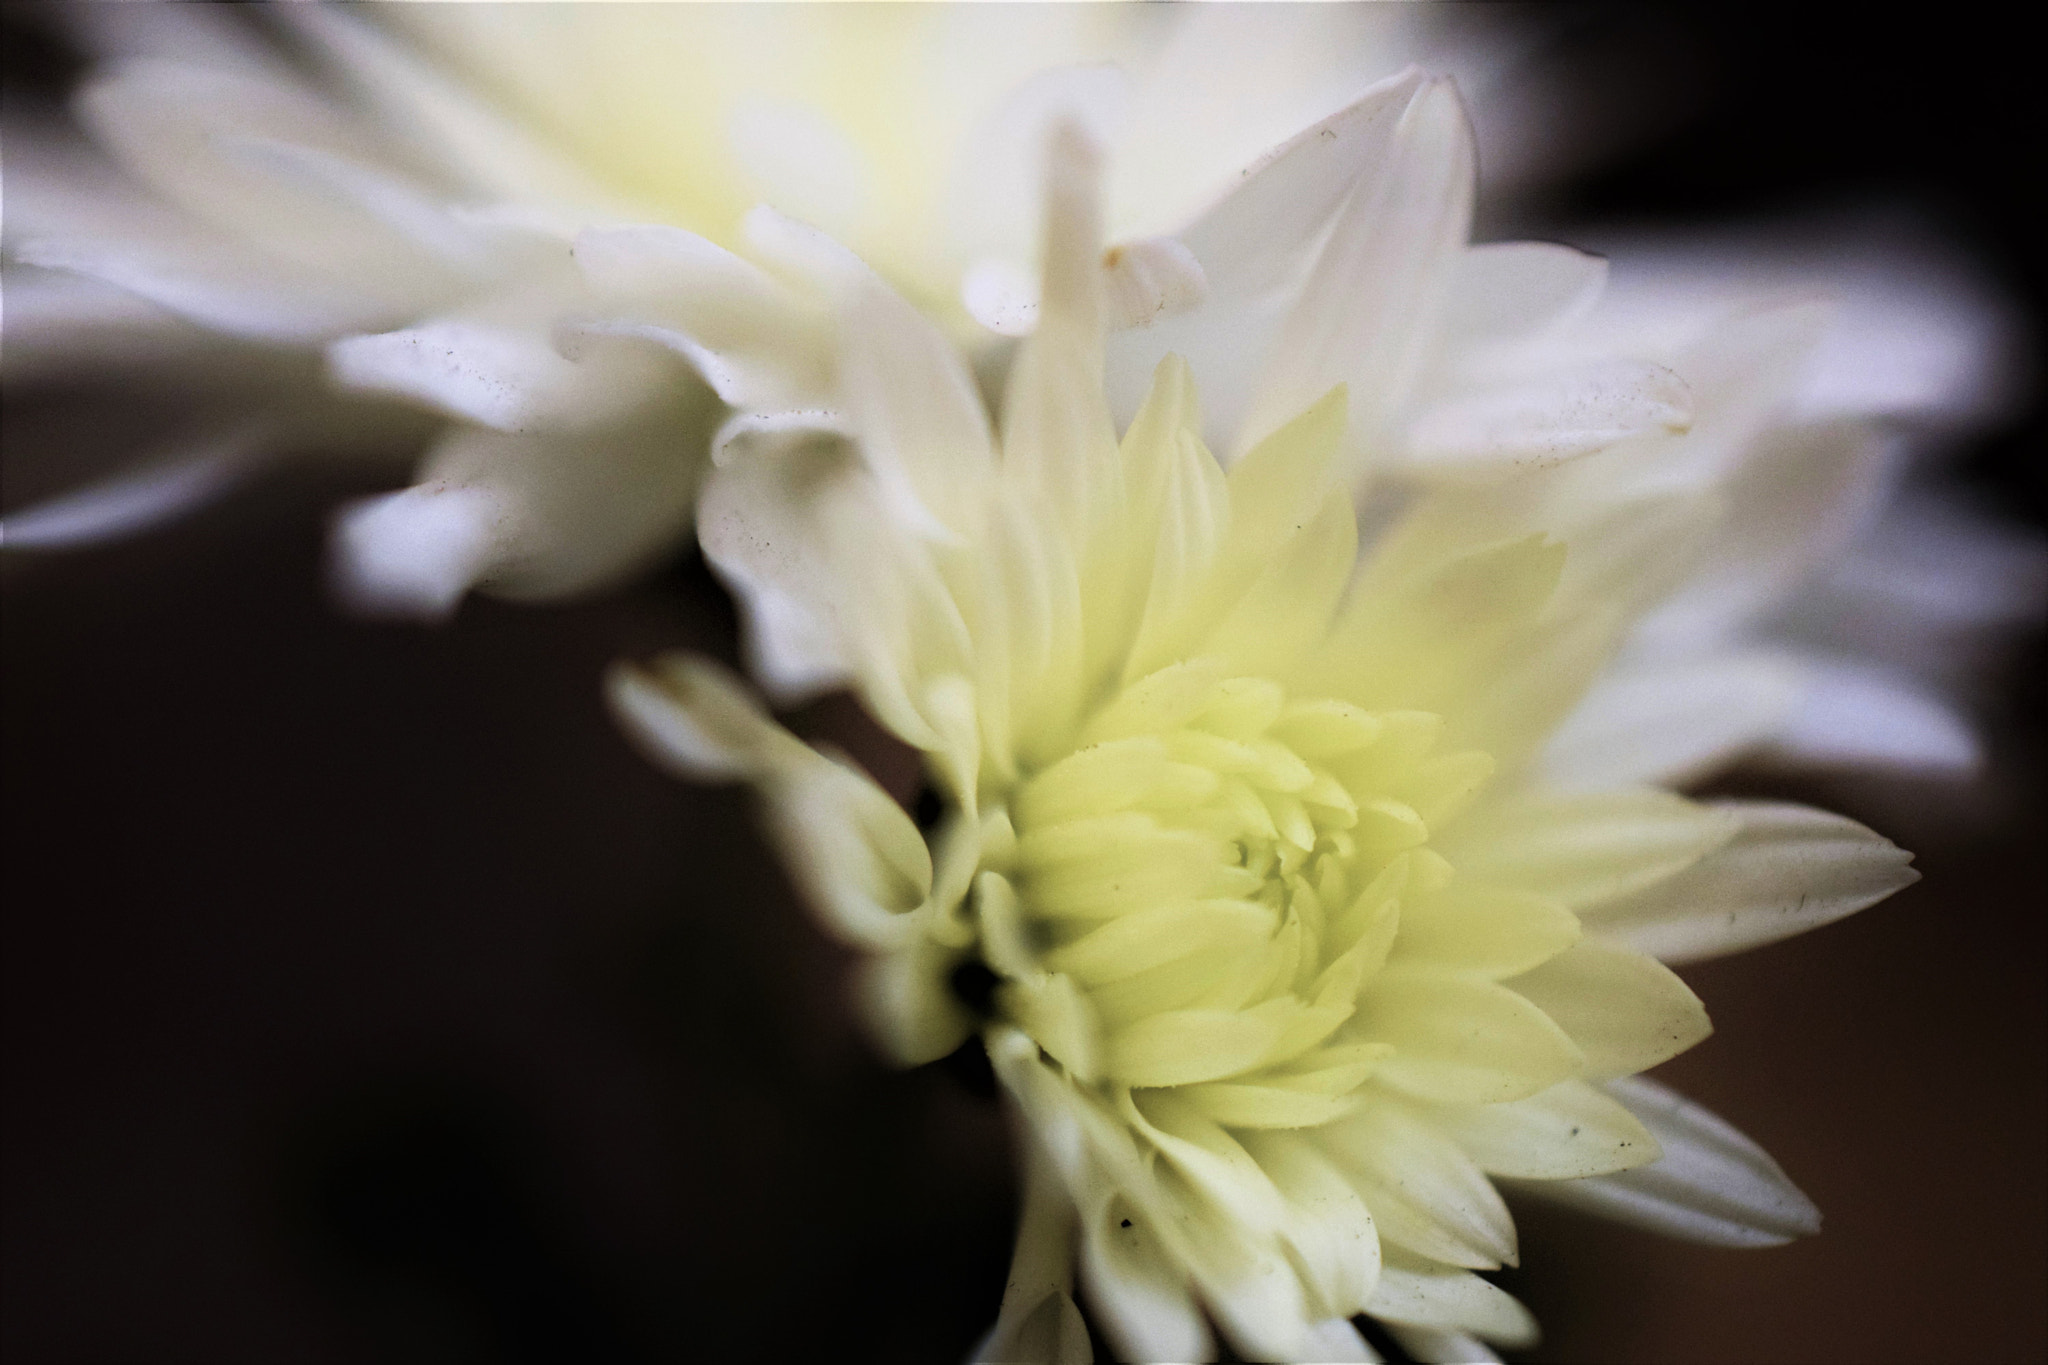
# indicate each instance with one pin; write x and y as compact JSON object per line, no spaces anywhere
{"x":1210,"y":868}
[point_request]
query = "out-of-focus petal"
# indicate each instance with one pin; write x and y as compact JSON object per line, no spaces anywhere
{"x":160,"y":488}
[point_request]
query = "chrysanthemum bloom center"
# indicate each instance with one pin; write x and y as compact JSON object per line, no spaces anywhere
{"x":1217,"y":870}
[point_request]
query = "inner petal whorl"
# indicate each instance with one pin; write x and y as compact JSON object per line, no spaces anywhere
{"x":1197,"y":870}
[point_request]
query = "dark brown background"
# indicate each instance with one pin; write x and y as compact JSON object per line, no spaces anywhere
{"x":367,"y":999}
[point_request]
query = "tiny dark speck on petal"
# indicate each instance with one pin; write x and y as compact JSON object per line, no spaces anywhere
{"x":1127,"y":1222}
{"x":1575,"y":1132}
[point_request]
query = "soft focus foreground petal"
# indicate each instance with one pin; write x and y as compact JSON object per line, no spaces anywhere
{"x":1627,"y":1012}
{"x":166,"y":485}
{"x":538,"y":516}
{"x":1674,"y":722}
{"x":57,"y":322}
{"x":417,"y":552}
{"x":1585,"y":850}
{"x":1800,"y":496}
{"x":851,"y":849}
{"x":1505,"y":293}
{"x":1057,"y":438}
{"x":178,"y":128}
{"x":1787,"y":869}
{"x":1545,"y":418}
{"x":469,"y":141}
{"x":191,"y":273}
{"x":1712,"y":1184}
{"x":695,"y":719}
{"x":1038,"y":1321}
{"x":1254,"y":246}
{"x":512,"y":379}
{"x":1368,"y":312}
{"x":753,"y":338}
{"x":1917,"y":330}
{"x":756,"y":522}
{"x":922,"y":425}
{"x":1570,"y":1130}
{"x":1856,"y":716}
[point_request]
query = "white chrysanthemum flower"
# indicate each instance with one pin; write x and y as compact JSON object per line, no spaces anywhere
{"x":399,"y":205}
{"x":1248,"y":873}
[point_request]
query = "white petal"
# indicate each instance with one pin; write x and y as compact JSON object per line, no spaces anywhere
{"x":1588,"y":849}
{"x":1512,"y":291}
{"x":57,"y":322}
{"x":1424,"y":1295}
{"x":1057,"y":438}
{"x":1441,"y":1345}
{"x":799,"y":159}
{"x":1670,"y":724}
{"x":1799,"y":497}
{"x":922,"y":424}
{"x":1853,"y":716}
{"x":753,"y":339}
{"x":417,"y":552}
{"x":1370,"y":309}
{"x":1626,"y":1011}
{"x":1712,"y":1185}
{"x":211,"y":282}
{"x":165,"y":486}
{"x":1139,"y":1296}
{"x":1337,"y":1340}
{"x":174,"y":127}
{"x":540,"y":516}
{"x":509,"y":378}
{"x":1257,"y":238}
{"x":1787,"y":869}
{"x":755,"y":525}
{"x":467,"y":138}
{"x":1254,"y":247}
{"x":1546,"y":418}
{"x":1148,"y":279}
{"x":995,"y":190}
{"x":695,"y":719}
{"x":1567,"y":1131}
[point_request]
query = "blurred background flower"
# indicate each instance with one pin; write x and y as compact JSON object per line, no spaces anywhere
{"x":365,"y":1001}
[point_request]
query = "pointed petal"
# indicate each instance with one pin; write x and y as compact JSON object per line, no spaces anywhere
{"x":1570,"y":1130}
{"x":162,"y":488}
{"x":1370,"y":308}
{"x":1546,"y":418}
{"x":1673,"y":723}
{"x":1627,"y":1012}
{"x":1855,"y":716}
{"x":1425,"y":1193}
{"x":1419,"y":1294}
{"x":1442,"y":1346}
{"x":1786,"y":870}
{"x":1585,"y":850}
{"x":1712,"y":1185}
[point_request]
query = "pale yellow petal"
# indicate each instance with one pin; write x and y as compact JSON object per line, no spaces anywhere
{"x":1627,"y":1012}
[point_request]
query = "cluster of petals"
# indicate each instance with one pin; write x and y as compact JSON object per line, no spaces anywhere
{"x":1292,"y":946}
{"x":299,"y":229}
